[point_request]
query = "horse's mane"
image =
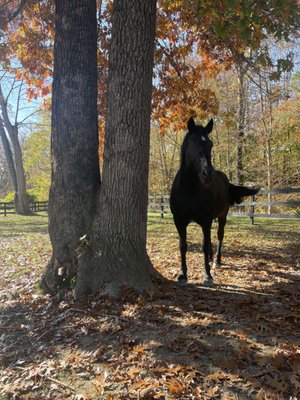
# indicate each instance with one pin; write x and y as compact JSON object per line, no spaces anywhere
{"x":182,"y":151}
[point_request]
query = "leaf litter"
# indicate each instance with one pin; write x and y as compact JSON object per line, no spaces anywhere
{"x":236,"y":340}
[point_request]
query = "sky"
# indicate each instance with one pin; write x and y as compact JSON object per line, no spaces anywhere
{"x":19,"y":109}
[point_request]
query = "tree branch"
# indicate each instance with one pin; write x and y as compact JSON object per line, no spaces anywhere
{"x":18,"y":103}
{"x":10,"y":128}
{"x":28,"y":116}
{"x":18,"y":10}
{"x":172,"y":62}
{"x":12,"y":88}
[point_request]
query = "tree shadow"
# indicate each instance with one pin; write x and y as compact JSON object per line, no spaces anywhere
{"x":20,"y":229}
{"x":213,"y":330}
{"x":238,"y":337}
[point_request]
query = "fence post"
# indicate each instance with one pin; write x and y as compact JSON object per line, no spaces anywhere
{"x":162,"y":207}
{"x":252,"y":210}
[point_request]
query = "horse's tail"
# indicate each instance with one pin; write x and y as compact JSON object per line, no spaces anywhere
{"x":237,"y":193}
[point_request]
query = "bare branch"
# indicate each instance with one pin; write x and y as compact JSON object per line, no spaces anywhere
{"x":18,"y":103}
{"x":28,"y":116}
{"x":12,"y":87}
{"x":2,"y":76}
{"x":172,"y":62}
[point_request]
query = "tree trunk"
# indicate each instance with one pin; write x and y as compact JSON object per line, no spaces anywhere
{"x":240,"y":128}
{"x":14,"y":159}
{"x":9,"y":158}
{"x":21,"y":199}
{"x":74,"y":138}
{"x":116,"y":253}
{"x":267,"y":124}
{"x":228,"y":146}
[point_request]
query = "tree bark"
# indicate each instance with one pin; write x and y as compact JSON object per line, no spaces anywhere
{"x":116,"y":253}
{"x":240,"y":127}
{"x":9,"y":158}
{"x":267,"y":124}
{"x":21,"y":200}
{"x":75,"y":178}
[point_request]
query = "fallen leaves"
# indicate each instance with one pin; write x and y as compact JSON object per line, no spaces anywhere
{"x":237,"y":339}
{"x":175,"y":386}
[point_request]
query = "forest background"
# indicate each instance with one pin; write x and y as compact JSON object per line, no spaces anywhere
{"x":252,"y":92}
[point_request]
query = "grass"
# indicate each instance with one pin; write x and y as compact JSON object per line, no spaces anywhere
{"x":235,"y":341}
{"x":17,"y":225}
{"x":25,"y":244}
{"x":24,"y":249}
{"x":237,"y":229}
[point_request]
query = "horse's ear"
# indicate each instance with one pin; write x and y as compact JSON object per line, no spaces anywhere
{"x":191,"y":124}
{"x":209,"y":127}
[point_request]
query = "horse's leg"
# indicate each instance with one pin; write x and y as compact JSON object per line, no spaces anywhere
{"x":181,"y":228}
{"x":221,"y":226}
{"x":207,"y":250}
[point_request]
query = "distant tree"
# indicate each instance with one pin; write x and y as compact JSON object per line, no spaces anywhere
{"x":37,"y":160}
{"x":5,"y":184}
{"x":164,"y":159}
{"x":286,"y":142}
{"x":10,"y":125}
{"x":27,"y":33}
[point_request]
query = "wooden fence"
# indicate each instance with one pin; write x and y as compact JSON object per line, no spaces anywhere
{"x":36,"y":206}
{"x":264,"y":205}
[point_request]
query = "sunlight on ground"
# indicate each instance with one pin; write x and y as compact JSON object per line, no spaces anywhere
{"x":236,"y":340}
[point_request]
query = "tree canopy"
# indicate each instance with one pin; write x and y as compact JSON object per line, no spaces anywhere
{"x":193,"y":38}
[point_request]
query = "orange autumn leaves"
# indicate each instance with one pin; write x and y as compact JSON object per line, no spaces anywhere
{"x":27,"y":51}
{"x":194,"y":41}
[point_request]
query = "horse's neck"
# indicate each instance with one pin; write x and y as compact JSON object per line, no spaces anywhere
{"x":189,"y":176}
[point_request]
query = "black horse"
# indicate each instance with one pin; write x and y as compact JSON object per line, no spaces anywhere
{"x":201,"y":194}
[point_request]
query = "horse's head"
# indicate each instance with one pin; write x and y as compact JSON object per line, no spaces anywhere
{"x":196,"y":150}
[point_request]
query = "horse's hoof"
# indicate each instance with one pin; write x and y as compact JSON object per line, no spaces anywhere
{"x":208,"y":282}
{"x":182,"y":280}
{"x":217,"y":264}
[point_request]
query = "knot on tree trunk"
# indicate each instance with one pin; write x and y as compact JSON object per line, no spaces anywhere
{"x":58,"y":276}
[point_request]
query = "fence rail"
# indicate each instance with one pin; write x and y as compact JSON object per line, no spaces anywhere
{"x":36,"y":206}
{"x":256,"y":208}
{"x":252,"y":208}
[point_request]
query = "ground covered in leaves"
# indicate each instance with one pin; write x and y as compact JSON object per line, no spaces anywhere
{"x":237,"y":340}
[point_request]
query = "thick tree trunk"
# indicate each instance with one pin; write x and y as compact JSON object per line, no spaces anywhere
{"x":116,"y":253}
{"x":74,"y":138}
